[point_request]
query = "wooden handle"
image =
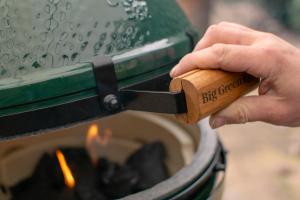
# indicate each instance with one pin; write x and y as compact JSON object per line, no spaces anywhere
{"x":209,"y":91}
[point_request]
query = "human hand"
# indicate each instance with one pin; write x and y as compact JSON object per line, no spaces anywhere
{"x":236,"y":48}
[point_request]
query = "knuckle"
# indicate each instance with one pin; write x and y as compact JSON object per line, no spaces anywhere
{"x":220,"y":51}
{"x":268,"y":36}
{"x":185,"y":60}
{"x":223,"y":23}
{"x":212,"y":30}
{"x":270,"y":51}
{"x":242,"y":115}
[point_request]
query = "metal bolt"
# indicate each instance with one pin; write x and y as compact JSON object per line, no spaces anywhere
{"x":111,"y":102}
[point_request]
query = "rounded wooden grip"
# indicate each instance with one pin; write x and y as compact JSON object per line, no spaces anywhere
{"x":209,"y":91}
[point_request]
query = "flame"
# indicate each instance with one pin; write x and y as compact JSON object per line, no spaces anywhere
{"x":96,"y":139}
{"x":94,"y":134}
{"x":69,"y":178}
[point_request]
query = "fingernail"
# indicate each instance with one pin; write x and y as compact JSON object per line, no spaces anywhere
{"x":173,"y":71}
{"x":218,"y":122}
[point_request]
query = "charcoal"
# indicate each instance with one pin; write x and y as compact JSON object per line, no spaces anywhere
{"x":86,"y":192}
{"x":149,"y":162}
{"x":80,"y":164}
{"x":46,"y":174}
{"x":76,"y":156}
{"x":35,"y":191}
{"x":106,"y":180}
{"x":48,"y":171}
{"x":116,"y":181}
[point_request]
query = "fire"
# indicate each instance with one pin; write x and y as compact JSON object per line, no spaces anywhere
{"x":68,"y":176}
{"x":96,"y":139}
{"x":94,"y":135}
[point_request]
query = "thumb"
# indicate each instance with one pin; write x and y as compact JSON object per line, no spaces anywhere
{"x":248,"y":109}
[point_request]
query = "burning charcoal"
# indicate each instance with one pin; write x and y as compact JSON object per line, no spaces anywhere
{"x":76,"y":156}
{"x":116,"y":181}
{"x":106,"y":170}
{"x":85,"y":192}
{"x":48,"y":171}
{"x":47,"y":179}
{"x":149,"y":163}
{"x":81,"y":166}
{"x":37,"y":191}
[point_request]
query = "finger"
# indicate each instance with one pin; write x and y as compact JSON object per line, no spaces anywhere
{"x":238,"y":26}
{"x":233,"y":58}
{"x":249,"y":109}
{"x":226,"y":35}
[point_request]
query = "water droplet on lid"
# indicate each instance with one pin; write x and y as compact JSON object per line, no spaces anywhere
{"x":129,"y":30}
{"x":109,"y":49}
{"x":103,"y":36}
{"x":51,"y":24}
{"x":38,"y":16}
{"x":84,"y":45}
{"x":70,"y":46}
{"x":63,"y":36}
{"x":107,"y":24}
{"x":10,"y":44}
{"x":71,"y":26}
{"x":111,"y":3}
{"x":66,"y":59}
{"x":97,"y":47}
{"x":62,"y":16}
{"x":96,"y":24}
{"x":26,"y":55}
{"x":89,"y":33}
{"x":43,"y":36}
{"x":2,"y":35}
{"x":5,"y":22}
{"x":47,"y":9}
{"x":36,"y":65}
{"x":46,"y":60}
{"x":68,"y":6}
{"x":80,"y":37}
{"x":21,"y":68}
{"x":3,"y":71}
{"x":57,"y":48}
{"x":74,"y":56}
{"x":114,"y":36}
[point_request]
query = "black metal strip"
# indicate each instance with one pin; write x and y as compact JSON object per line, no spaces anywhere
{"x":24,"y":123}
{"x":107,"y":83}
{"x":152,"y":101}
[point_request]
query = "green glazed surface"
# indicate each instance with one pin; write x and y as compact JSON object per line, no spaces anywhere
{"x":47,"y":46}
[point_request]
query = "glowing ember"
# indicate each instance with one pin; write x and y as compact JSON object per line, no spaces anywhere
{"x":68,"y":176}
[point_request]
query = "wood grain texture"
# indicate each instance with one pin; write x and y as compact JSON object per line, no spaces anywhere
{"x":209,"y":91}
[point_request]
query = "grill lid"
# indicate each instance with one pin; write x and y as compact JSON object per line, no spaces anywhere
{"x":47,"y":48}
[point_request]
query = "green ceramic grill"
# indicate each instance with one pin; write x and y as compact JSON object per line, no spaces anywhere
{"x":65,"y":61}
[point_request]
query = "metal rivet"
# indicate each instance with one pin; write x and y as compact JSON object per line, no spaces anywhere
{"x":111,"y":102}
